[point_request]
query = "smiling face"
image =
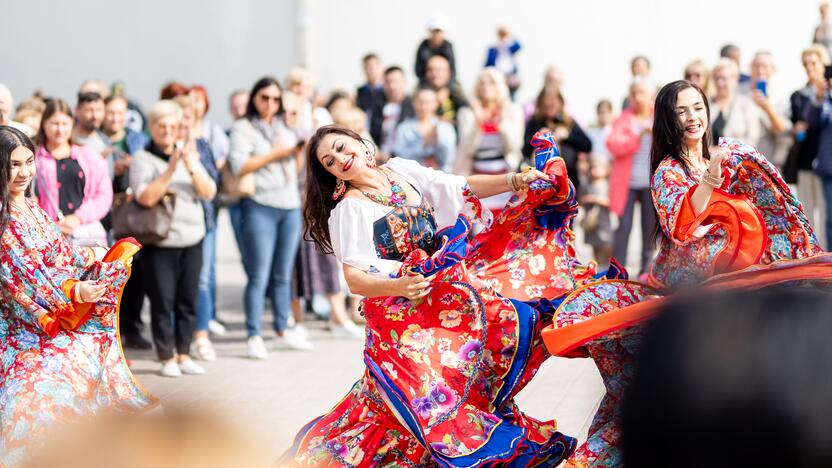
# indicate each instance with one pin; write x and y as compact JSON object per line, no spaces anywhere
{"x":58,"y":129}
{"x":115,"y":116}
{"x":813,"y":66}
{"x":342,"y":156}
{"x":23,"y":171}
{"x":164,"y":131}
{"x":692,"y":115}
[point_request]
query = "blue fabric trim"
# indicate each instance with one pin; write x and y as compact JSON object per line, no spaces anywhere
{"x":293,"y":450}
{"x":527,"y":319}
{"x":396,"y":397}
{"x":453,"y":250}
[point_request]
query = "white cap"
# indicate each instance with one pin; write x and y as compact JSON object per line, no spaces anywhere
{"x":437,"y":21}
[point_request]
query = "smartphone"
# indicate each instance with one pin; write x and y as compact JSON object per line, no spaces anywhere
{"x":761,"y":87}
{"x":827,"y":72}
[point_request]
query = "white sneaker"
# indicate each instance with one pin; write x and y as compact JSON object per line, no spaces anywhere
{"x":292,"y":340}
{"x":203,"y":350}
{"x":216,"y":328}
{"x":256,"y":348}
{"x":190,"y":367}
{"x":170,"y":369}
{"x":301,"y":330}
{"x":347,"y":331}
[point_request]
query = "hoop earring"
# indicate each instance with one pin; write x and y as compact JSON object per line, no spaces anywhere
{"x":340,"y":188}
{"x":370,"y":155}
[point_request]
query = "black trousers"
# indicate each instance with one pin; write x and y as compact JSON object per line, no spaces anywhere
{"x":625,"y":225}
{"x":171,"y":277}
{"x":132,"y":299}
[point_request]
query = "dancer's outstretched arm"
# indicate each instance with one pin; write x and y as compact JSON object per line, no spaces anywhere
{"x":487,"y":185}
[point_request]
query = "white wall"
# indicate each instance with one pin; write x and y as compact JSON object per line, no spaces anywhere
{"x":591,"y":40}
{"x":228,"y":45}
{"x":56,"y":45}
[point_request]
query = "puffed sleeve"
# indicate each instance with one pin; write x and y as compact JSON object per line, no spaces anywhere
{"x":351,"y":234}
{"x":670,"y":187}
{"x":449,"y":194}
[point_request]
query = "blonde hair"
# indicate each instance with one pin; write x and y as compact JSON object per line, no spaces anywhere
{"x":816,"y":49}
{"x":727,"y":64}
{"x":353,"y":118}
{"x":499,"y":82}
{"x":299,"y":75}
{"x":163,"y":108}
{"x":186,"y":102}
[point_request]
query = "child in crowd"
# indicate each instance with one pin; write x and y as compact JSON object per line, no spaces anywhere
{"x":595,"y":199}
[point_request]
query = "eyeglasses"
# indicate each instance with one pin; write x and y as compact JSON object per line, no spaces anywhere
{"x":267,"y":98}
{"x":690,"y":75}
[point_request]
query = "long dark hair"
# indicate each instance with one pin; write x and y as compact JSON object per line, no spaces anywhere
{"x":320,"y":185}
{"x":668,"y":132}
{"x":265,"y":82}
{"x":10,"y":139}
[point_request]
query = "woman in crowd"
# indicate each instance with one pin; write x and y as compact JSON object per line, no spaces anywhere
{"x":73,"y":184}
{"x":570,"y":137}
{"x":58,"y":305}
{"x":206,"y":310}
{"x":311,"y":117}
{"x":735,"y":115}
{"x":445,"y":350}
{"x":726,"y":219}
{"x":800,"y":163}
{"x":697,"y":73}
{"x":316,"y":273}
{"x":204,"y":129}
{"x":171,"y":267}
{"x":490,"y":132}
{"x":629,"y":144}
{"x":594,"y":197}
{"x":262,"y":145}
{"x":425,"y":138}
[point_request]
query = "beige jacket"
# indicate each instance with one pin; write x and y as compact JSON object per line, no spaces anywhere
{"x":512,"y":125}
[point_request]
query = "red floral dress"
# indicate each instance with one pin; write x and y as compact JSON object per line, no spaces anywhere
{"x":753,"y":233}
{"x":442,"y":372}
{"x":60,"y":359}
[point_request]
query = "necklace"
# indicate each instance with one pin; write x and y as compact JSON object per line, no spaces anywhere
{"x":28,"y":215}
{"x":396,"y":198}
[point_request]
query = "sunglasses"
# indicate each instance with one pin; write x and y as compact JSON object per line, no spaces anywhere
{"x":266,"y":98}
{"x":691,"y":75}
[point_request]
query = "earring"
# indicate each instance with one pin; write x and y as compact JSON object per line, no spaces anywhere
{"x":371,"y":160}
{"x":340,"y":188}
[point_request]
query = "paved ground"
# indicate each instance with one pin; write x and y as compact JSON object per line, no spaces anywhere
{"x":274,"y":398}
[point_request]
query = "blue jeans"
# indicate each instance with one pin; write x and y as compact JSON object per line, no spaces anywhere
{"x":271,"y":237}
{"x":827,"y":194}
{"x":206,"y":308}
{"x":235,"y":213}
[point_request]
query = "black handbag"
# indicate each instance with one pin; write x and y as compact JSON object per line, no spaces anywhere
{"x":147,"y":225}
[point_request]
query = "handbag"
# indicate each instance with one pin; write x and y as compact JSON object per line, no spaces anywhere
{"x":148,"y":225}
{"x":236,"y":186}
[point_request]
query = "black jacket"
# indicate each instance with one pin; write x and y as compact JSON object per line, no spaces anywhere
{"x":576,"y":142}
{"x":425,"y":52}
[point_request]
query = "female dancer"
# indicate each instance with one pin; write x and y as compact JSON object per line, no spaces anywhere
{"x":446,"y":351}
{"x":58,"y":306}
{"x":726,"y":220}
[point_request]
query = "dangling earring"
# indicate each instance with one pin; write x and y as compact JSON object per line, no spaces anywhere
{"x":371,"y":160}
{"x":371,"y":157}
{"x":340,"y":188}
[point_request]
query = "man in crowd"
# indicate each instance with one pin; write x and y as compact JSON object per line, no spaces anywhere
{"x":438,"y":76}
{"x":775,"y":139}
{"x":398,"y":106}
{"x":89,"y":114}
{"x":435,"y":44}
{"x":370,"y":96}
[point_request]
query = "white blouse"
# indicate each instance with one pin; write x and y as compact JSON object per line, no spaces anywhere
{"x":351,"y":222}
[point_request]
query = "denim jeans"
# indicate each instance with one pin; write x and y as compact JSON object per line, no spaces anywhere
{"x":271,"y":237}
{"x":206,"y":308}
{"x":827,"y":194}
